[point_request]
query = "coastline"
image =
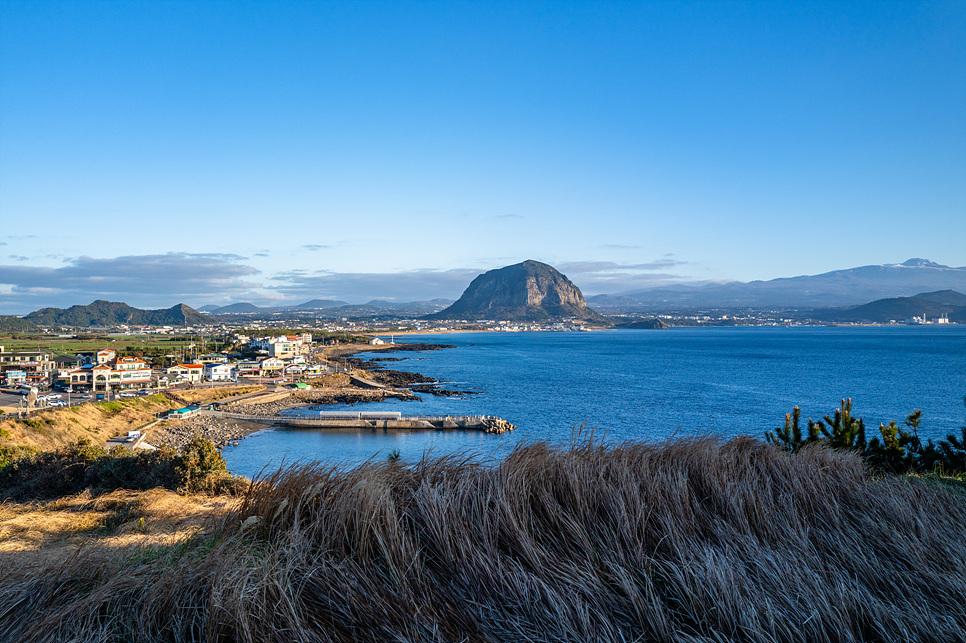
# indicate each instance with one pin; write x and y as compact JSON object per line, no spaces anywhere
{"x":221,"y":431}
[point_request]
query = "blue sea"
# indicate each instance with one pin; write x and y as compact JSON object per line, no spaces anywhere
{"x":647,"y":385}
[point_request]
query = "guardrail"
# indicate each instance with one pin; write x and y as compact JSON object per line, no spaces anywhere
{"x":348,"y":416}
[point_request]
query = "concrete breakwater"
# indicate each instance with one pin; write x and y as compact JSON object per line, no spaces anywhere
{"x":389,"y":421}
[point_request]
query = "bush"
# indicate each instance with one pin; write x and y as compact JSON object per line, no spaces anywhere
{"x":29,"y":475}
{"x":199,"y":461}
{"x":896,"y":450}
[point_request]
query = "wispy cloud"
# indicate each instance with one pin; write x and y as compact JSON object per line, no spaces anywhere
{"x":359,"y":287}
{"x":599,"y":277}
{"x":160,"y":280}
{"x":617,"y":246}
{"x":508,"y":216}
{"x":610,"y":266}
{"x":313,"y":247}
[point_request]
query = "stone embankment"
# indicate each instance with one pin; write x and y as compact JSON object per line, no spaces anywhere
{"x":178,"y":433}
{"x":263,"y":409}
{"x":316,"y":396}
{"x":353,"y":396}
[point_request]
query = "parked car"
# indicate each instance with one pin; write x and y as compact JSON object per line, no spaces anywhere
{"x":126,"y":395}
{"x":57,"y":403}
{"x":144,"y":391}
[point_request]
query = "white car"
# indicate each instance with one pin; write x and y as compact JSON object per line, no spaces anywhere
{"x":127,"y":395}
{"x":57,"y":403}
{"x":53,"y":396}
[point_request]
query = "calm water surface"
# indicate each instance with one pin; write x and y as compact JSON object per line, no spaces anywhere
{"x":649,"y":385}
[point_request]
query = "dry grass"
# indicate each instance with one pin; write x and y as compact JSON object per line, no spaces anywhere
{"x":38,"y":532}
{"x":59,"y":427}
{"x":55,"y":428}
{"x":693,"y":540}
{"x":205,"y":395}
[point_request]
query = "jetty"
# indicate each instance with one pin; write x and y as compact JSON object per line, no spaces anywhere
{"x":375,"y":420}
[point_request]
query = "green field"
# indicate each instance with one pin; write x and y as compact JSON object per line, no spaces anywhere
{"x":120,"y":343}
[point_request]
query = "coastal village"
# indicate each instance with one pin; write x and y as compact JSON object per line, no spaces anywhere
{"x":274,"y":358}
{"x":220,"y":395}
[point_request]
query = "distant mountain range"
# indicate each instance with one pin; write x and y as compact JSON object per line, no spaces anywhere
{"x":113,"y":313}
{"x":535,"y":291}
{"x":837,"y":288}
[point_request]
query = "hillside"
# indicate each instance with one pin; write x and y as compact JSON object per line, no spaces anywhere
{"x":12,"y":324}
{"x":112,"y":313}
{"x":883,"y":311}
{"x":838,"y":288}
{"x":323,"y":303}
{"x":528,"y":291}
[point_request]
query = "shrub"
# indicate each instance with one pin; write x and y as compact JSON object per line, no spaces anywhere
{"x":26,"y":474}
{"x":199,"y":460}
{"x":895,"y":450}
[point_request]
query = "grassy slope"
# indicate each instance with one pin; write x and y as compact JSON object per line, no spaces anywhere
{"x":58,"y":427}
{"x":694,"y":540}
{"x":97,"y":422}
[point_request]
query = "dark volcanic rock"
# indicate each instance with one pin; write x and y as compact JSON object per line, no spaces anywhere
{"x":644,"y":324}
{"x":528,"y":291}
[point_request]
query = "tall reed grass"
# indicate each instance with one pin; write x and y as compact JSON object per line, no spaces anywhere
{"x":691,"y":540}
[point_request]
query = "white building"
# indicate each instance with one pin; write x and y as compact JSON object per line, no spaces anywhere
{"x":218,"y":372}
{"x":109,"y":372}
{"x":186,"y":372}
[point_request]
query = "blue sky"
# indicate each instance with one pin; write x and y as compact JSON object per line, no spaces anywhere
{"x":217,"y":152}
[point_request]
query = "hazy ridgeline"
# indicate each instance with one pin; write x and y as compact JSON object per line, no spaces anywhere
{"x":691,"y":540}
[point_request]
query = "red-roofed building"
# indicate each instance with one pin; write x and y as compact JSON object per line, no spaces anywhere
{"x":111,"y":373}
{"x":186,"y":372}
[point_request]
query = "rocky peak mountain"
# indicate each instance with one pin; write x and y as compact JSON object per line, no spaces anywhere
{"x":531,"y":291}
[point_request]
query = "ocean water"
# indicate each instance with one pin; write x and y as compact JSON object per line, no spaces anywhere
{"x":648,"y":385}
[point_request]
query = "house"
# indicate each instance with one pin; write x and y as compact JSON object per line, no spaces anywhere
{"x":218,"y":372}
{"x":108,"y":372}
{"x":183,"y":412}
{"x":36,"y":365}
{"x":272,"y":366}
{"x":375,"y":341}
{"x":250,"y":368}
{"x":186,"y":372}
{"x":284,"y":349}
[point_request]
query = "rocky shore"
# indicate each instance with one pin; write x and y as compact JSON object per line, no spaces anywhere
{"x":404,"y":379}
{"x":318,"y":396}
{"x":438,"y":390}
{"x":221,"y":431}
{"x":403,"y":386}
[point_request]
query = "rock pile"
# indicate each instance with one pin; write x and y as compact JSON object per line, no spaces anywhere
{"x":264,"y":409}
{"x":496,"y":425}
{"x":178,"y":433}
{"x":352,"y":396}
